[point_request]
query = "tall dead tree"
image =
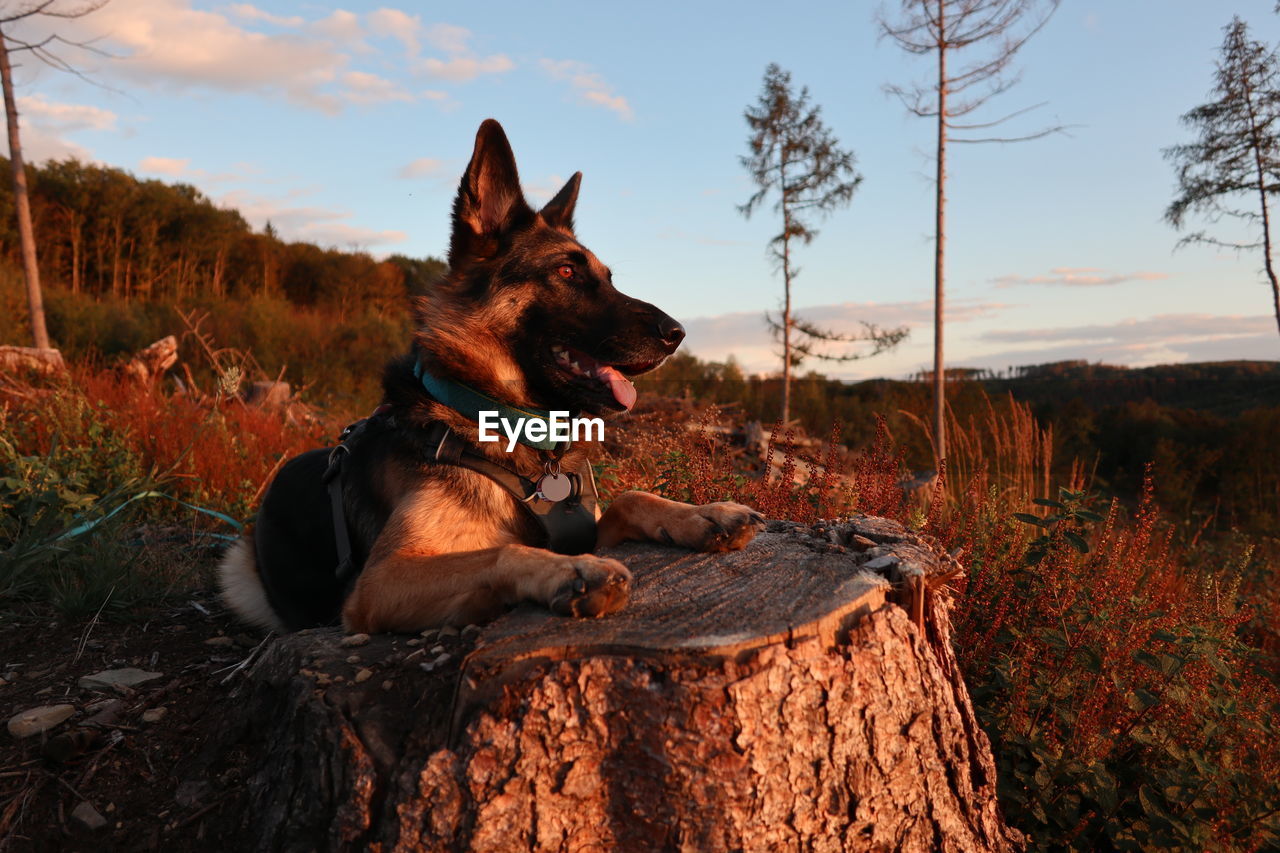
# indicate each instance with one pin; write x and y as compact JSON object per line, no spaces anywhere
{"x":975,"y":42}
{"x":43,"y":49}
{"x":1236,"y":158}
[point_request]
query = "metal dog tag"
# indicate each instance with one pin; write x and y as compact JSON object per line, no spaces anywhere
{"x":554,"y":487}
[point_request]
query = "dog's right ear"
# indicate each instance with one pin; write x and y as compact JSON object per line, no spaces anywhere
{"x":489,"y":198}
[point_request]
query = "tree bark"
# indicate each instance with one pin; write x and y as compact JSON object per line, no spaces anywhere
{"x":800,"y":694}
{"x":22,"y":204}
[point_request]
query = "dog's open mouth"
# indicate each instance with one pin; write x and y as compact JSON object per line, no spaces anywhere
{"x":597,"y":375}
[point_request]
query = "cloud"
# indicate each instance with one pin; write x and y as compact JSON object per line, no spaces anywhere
{"x":591,"y":87}
{"x":362,"y":87}
{"x":1163,"y":328}
{"x":1078,"y":277}
{"x":302,"y":222}
{"x":64,"y":117}
{"x":171,"y":166}
{"x":459,"y":69}
{"x":540,"y":191}
{"x":744,"y":335}
{"x":253,"y":13}
{"x":168,"y":43}
{"x":46,"y":123}
{"x":448,"y":38}
{"x":423,"y":167}
{"x":39,"y":145}
{"x":399,"y":25}
{"x":1162,"y":339}
{"x":340,"y":25}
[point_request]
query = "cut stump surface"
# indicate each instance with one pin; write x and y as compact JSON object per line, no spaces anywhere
{"x":799,"y":694}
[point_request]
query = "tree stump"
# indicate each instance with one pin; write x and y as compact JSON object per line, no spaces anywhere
{"x":150,"y":363}
{"x":799,"y":694}
{"x":45,"y":362}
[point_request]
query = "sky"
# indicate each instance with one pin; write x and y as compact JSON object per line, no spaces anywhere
{"x":349,"y":125}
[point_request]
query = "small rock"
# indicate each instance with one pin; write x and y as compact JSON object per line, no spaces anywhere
{"x":87,"y":816}
{"x":363,"y":675}
{"x":387,"y":685}
{"x":448,"y":631}
{"x":414,"y":642}
{"x":352,"y":640}
{"x":470,"y":631}
{"x":117,"y":678}
{"x":435,"y":650}
{"x":105,"y":714}
{"x":442,"y":660}
{"x":36,"y":720}
{"x":353,"y":658}
{"x":430,"y":634}
{"x":45,"y":692}
{"x":220,"y":641}
{"x":154,"y":715}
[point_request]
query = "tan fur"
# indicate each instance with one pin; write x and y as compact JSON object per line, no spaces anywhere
{"x":242,"y":588}
{"x":640,"y":516}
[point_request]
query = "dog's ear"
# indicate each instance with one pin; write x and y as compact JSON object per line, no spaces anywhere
{"x":558,"y":212}
{"x":489,"y":198}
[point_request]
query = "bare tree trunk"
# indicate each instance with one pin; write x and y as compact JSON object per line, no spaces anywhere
{"x":939,"y":253}
{"x":786,"y":292}
{"x":22,"y":204}
{"x":1262,"y":200}
{"x":801,"y":694}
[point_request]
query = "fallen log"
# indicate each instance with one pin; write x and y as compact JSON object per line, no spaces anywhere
{"x":31,"y":359}
{"x":800,"y":694}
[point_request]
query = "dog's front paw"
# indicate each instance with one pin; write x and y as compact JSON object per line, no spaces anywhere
{"x":590,"y":586}
{"x":722,"y":526}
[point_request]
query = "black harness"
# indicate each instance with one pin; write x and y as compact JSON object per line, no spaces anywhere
{"x":568,"y":525}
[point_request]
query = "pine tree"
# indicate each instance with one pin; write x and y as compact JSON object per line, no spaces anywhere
{"x":1234,"y":166}
{"x":794,"y":156}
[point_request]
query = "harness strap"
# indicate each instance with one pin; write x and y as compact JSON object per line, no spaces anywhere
{"x":569,"y":525}
{"x":333,"y":480}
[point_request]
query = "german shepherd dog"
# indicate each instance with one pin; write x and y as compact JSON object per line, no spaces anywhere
{"x":444,"y":529}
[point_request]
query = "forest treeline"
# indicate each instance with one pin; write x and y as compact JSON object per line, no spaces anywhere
{"x":102,"y":231}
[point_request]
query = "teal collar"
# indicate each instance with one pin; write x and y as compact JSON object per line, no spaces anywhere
{"x":469,"y":403}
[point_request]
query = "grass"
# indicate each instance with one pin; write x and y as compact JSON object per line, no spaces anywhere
{"x":116,"y":493}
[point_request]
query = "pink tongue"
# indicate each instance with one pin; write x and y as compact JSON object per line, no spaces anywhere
{"x":623,"y":391}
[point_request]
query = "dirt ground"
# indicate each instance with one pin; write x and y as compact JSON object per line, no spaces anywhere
{"x":134,"y":770}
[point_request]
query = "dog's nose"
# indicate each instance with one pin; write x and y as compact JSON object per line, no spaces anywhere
{"x":671,"y":332}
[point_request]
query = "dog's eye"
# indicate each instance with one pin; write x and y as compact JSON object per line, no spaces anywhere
{"x":566,"y":271}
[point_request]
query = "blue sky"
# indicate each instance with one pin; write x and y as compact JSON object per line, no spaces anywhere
{"x":350,"y":124}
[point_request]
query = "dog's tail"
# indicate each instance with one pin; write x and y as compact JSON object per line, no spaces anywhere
{"x":242,"y":588}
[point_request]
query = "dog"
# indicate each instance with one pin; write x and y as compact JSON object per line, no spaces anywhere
{"x":413,"y":522}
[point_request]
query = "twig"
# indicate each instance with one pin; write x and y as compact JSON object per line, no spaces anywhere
{"x":84,"y":637}
{"x":244,"y":663}
{"x":187,"y":821}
